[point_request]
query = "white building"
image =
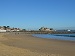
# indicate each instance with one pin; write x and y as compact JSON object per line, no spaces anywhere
{"x":2,"y":30}
{"x":45,"y":29}
{"x":68,"y":30}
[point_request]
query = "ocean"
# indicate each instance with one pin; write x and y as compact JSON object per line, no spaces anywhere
{"x":68,"y":37}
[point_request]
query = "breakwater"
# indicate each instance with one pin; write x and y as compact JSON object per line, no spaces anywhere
{"x":42,"y":32}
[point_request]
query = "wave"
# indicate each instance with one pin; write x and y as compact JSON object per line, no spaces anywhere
{"x":65,"y":35}
{"x":68,"y":37}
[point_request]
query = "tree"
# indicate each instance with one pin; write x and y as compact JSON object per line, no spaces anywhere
{"x":51,"y":28}
{"x":8,"y":26}
{"x":4,"y":27}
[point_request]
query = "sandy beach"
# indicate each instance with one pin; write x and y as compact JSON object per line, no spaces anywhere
{"x":27,"y":45}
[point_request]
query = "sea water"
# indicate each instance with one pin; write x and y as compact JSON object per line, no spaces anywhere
{"x":69,"y":37}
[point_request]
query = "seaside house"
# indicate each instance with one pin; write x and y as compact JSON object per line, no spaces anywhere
{"x":2,"y":29}
{"x":15,"y":29}
{"x":8,"y":29}
{"x":46,"y":29}
{"x":68,"y":30}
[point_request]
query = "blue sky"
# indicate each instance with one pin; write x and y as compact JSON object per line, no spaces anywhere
{"x":33,"y":14}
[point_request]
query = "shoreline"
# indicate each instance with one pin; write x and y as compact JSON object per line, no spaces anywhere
{"x":54,"y":39}
{"x":40,"y":45}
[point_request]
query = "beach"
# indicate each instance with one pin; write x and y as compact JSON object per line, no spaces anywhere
{"x":27,"y":45}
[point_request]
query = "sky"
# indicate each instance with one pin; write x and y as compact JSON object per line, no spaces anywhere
{"x":33,"y":14}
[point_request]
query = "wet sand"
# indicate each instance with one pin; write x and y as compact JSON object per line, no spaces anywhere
{"x":27,"y":45}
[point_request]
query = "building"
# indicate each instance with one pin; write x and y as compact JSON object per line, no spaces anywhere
{"x":8,"y":29}
{"x":2,"y":29}
{"x":46,"y":29}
